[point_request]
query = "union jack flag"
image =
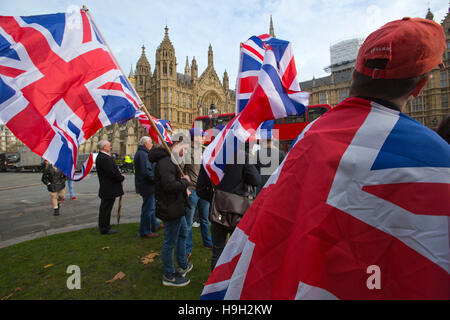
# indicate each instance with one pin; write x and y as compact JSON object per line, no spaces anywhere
{"x":363,"y":187}
{"x":145,"y":122}
{"x":250,"y":62}
{"x":86,"y":167}
{"x":166,"y":124}
{"x":59,"y":84}
{"x":267,"y":88}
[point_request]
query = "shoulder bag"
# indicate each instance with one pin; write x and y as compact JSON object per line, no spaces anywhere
{"x":227,"y":209}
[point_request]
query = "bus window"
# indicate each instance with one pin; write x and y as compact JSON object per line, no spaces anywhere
{"x":314,"y":113}
{"x":279,"y":121}
{"x":295,"y":118}
{"x":221,"y":120}
{"x":290,"y":119}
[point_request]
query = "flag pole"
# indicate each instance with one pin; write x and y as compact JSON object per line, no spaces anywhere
{"x":141,"y":104}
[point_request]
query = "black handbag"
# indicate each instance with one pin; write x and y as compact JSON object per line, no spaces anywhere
{"x":227,"y":209}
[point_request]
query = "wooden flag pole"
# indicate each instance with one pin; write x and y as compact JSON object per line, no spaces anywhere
{"x":141,"y":104}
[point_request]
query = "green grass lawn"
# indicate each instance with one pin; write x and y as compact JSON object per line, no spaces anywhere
{"x":22,"y":265}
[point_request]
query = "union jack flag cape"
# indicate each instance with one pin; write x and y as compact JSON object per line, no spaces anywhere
{"x":145,"y":122}
{"x":267,"y":88}
{"x":59,"y":84}
{"x":364,"y":187}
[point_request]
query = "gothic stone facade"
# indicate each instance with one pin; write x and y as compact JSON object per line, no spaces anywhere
{"x":177,"y":97}
{"x":429,"y":107}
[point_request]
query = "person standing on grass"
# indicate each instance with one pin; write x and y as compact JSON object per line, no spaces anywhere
{"x":171,"y":198}
{"x":192,"y":169}
{"x":145,"y":186}
{"x":110,"y":180}
{"x":55,"y":181}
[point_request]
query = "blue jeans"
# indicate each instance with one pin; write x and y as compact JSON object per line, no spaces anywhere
{"x":203,"y":213}
{"x":148,"y":223}
{"x":175,"y":235}
{"x":70,"y":186}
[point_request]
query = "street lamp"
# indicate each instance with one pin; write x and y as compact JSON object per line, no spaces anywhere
{"x":212,"y":109}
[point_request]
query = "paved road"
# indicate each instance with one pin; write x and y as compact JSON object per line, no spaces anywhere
{"x":26,"y":211}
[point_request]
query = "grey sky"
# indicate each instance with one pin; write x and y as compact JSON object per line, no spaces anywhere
{"x":311,"y":25}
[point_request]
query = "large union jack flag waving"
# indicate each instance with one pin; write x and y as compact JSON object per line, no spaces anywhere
{"x":364,"y":188}
{"x":267,"y":89}
{"x":59,"y":84}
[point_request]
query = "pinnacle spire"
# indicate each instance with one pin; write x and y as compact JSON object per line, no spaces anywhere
{"x":271,"y":31}
{"x":430,"y":15}
{"x":210,"y":56}
{"x":187,"y":70}
{"x":131,"y":75}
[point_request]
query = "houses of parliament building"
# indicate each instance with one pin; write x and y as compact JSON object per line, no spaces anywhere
{"x":167,"y":94}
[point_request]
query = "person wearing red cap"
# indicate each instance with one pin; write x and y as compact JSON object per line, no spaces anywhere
{"x":358,"y":209}
{"x":395,"y":61}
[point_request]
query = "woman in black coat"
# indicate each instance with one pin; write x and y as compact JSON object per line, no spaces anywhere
{"x":171,"y":198}
{"x":55,"y":181}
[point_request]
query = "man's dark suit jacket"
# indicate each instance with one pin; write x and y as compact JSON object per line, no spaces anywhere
{"x":109,"y":177}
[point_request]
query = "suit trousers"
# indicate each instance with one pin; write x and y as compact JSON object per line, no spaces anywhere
{"x":104,"y":215}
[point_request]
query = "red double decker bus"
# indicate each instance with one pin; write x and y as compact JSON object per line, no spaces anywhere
{"x":288,"y":128}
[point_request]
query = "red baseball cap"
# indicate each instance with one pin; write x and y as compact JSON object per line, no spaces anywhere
{"x":411,"y":47}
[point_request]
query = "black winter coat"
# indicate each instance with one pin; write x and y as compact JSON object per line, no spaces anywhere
{"x":53,"y":178}
{"x":236,"y":176}
{"x":170,"y":188}
{"x":144,"y":177}
{"x":109,"y":177}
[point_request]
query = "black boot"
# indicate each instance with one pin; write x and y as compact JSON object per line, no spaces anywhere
{"x":56,"y":212}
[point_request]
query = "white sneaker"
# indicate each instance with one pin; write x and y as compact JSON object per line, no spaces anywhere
{"x":182,"y":272}
{"x":196,"y":224}
{"x":177,"y":280}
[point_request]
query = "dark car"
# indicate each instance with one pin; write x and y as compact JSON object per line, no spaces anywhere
{"x":8,"y":160}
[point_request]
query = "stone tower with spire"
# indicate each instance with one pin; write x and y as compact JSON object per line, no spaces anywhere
{"x":271,"y":31}
{"x":210,"y":57}
{"x":165,"y":61}
{"x":143,"y":72}
{"x":429,"y":16}
{"x":187,"y":70}
{"x":194,"y":69}
{"x":225,"y":81}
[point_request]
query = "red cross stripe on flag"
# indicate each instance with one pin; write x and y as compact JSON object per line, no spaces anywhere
{"x":357,"y":210}
{"x":59,"y":84}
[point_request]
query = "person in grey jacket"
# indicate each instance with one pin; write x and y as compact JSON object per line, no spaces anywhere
{"x":144,"y":180}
